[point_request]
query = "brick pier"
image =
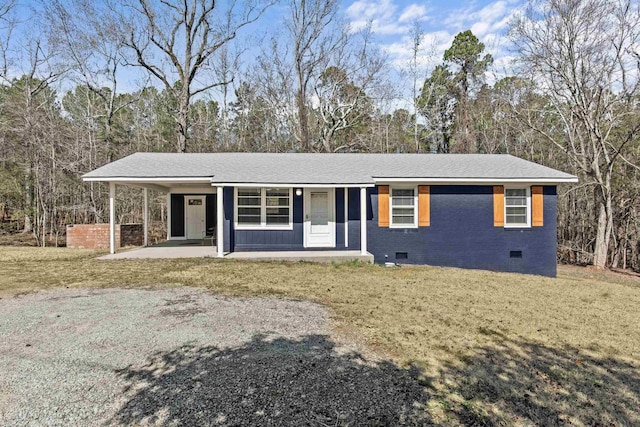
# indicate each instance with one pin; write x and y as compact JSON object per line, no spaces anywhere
{"x":96,"y":236}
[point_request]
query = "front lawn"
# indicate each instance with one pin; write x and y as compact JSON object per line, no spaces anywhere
{"x":490,"y":348}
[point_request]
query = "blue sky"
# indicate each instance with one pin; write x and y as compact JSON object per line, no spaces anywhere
{"x":441,"y":20}
{"x":391,"y":21}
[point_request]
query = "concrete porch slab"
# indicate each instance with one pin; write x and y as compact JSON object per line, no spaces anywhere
{"x":311,"y":256}
{"x":198,"y":249}
{"x":169,"y":249}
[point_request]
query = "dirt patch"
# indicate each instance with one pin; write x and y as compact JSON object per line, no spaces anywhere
{"x":117,"y":359}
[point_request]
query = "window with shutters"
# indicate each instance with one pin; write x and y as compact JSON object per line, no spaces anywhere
{"x":517,"y":207}
{"x":403,"y":205}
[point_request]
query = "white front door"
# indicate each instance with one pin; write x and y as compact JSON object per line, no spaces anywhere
{"x":319,"y":223}
{"x":195,"y":216}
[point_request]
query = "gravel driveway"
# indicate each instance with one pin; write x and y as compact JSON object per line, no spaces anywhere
{"x":186,"y":357}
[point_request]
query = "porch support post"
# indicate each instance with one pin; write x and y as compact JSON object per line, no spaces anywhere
{"x":363,"y":220}
{"x":168,"y":216}
{"x":346,"y":217}
{"x":145,"y":217}
{"x":220,"y":221}
{"x":112,"y":217}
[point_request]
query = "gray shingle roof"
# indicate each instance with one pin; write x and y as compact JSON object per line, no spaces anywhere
{"x":294,"y":168}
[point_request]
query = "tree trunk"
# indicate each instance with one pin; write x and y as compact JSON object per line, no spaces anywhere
{"x":183,"y":122}
{"x":603,"y":236}
{"x":28,"y":202}
{"x":303,"y":120}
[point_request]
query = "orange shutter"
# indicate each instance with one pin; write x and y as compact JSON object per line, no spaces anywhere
{"x":498,"y":206}
{"x":537,"y":206}
{"x":383,"y":206}
{"x":424,"y":210}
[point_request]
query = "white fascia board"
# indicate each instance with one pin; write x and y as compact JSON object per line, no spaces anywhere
{"x":207,"y":189}
{"x":289,"y":185}
{"x":149,"y":186}
{"x":142,"y":180}
{"x":478,"y":181}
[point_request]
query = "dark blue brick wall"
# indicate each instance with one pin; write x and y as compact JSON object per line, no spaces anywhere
{"x":462,"y":234}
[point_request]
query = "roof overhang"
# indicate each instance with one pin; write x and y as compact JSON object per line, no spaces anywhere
{"x":378,"y":180}
{"x":478,"y":181}
{"x":292,"y":184}
{"x":140,"y":179}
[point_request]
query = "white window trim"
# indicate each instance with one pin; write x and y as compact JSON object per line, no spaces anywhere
{"x":415,"y":206}
{"x":518,"y":187}
{"x":263,"y":212}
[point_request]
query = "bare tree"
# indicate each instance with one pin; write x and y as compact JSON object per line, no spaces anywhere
{"x":416,"y":33}
{"x":315,"y":35}
{"x":175,"y":41}
{"x":342,"y":90}
{"x":274,"y":77}
{"x":7,"y":25}
{"x":86,"y":34}
{"x":583,"y":54}
{"x":226,"y":65}
{"x":29,"y":117}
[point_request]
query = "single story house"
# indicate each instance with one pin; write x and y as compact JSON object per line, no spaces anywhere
{"x":482,"y":211}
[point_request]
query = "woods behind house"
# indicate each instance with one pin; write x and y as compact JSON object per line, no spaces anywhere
{"x":86,"y":82}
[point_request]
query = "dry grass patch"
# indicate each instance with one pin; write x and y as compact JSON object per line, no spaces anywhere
{"x":489,"y":347}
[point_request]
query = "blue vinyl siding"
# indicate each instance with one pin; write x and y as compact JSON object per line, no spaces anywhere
{"x":339,"y":217}
{"x":228,"y":230}
{"x":354,"y":218}
{"x":276,"y":240}
{"x":282,"y":240}
{"x":462,"y":234}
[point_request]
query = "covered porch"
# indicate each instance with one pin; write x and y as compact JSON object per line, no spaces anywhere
{"x":248,"y":203}
{"x":318,"y":223}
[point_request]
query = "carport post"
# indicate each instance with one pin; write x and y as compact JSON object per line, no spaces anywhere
{"x":363,"y":220}
{"x":220,"y":221}
{"x":146,"y":217}
{"x":112,"y":217}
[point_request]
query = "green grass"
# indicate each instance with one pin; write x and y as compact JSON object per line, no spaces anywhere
{"x":489,"y":347}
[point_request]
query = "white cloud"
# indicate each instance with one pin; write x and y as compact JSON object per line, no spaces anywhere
{"x":494,"y":17}
{"x":431,"y":49}
{"x":379,"y":13}
{"x":384,"y":16}
{"x":413,"y":12}
{"x":480,"y":28}
{"x":391,"y":22}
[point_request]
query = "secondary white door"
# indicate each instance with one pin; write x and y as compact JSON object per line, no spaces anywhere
{"x":195,"y":216}
{"x":319,"y":224}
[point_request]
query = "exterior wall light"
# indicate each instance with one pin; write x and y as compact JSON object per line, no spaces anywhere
{"x":298,"y":191}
